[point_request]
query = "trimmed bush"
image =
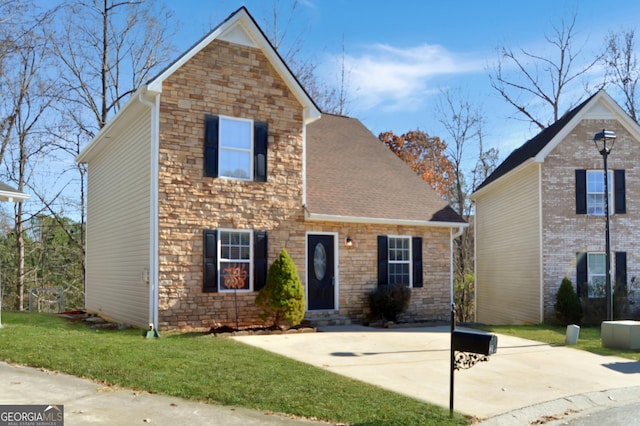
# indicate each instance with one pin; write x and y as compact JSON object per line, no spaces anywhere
{"x":282,"y":297}
{"x":389,"y":301}
{"x":568,"y":306}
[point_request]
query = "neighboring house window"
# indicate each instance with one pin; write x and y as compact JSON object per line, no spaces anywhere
{"x":596,"y":275}
{"x":235,"y":148}
{"x":595,"y":192}
{"x":591,"y":273}
{"x":590,"y":196}
{"x":234,"y":259}
{"x":400,"y":260}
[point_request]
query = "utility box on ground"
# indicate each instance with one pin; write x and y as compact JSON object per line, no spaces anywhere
{"x":620,"y":334}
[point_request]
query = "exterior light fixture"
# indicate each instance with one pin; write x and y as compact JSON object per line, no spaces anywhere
{"x":348,"y":242}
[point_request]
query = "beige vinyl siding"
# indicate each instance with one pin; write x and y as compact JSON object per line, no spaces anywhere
{"x":508,"y":250}
{"x":118,"y":225}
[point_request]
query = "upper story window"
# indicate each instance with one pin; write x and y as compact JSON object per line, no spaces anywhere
{"x":590,"y":196}
{"x":595,"y":192}
{"x":235,"y":148}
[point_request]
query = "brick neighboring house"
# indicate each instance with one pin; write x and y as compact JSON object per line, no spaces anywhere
{"x":222,"y":160}
{"x":540,"y":217}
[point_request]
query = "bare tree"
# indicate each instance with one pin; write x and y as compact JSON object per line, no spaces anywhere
{"x":463,"y":123}
{"x":29,"y":95}
{"x":106,"y":49}
{"x":622,"y":68}
{"x":330,"y":98}
{"x":541,"y":81}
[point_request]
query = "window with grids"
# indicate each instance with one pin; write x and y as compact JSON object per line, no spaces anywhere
{"x":595,"y":192}
{"x":399,"y":260}
{"x":596,"y":274}
{"x":236,"y":143}
{"x":235,"y":260}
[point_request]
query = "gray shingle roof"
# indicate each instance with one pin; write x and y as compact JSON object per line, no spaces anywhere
{"x":350,"y":173}
{"x":533,"y":146}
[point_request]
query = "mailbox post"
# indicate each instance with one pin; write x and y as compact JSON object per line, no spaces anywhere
{"x":467,"y":349}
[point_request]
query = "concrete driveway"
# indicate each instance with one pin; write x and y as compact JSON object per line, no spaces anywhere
{"x":523,"y":379}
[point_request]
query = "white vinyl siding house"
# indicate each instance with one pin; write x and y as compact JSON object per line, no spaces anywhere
{"x":537,"y":228}
{"x":118,"y":223}
{"x":508,"y":226}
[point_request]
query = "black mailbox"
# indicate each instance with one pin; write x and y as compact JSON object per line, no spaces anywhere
{"x":474,"y":342}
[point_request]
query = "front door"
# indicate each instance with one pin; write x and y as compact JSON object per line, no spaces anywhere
{"x":321,"y":277}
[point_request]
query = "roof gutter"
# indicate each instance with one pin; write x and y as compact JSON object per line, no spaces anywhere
{"x":316,"y":217}
{"x":153,"y":206}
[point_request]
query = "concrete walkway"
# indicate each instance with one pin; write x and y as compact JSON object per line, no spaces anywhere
{"x":523,"y":382}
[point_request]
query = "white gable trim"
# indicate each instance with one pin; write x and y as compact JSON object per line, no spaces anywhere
{"x":11,"y":196}
{"x":601,"y":107}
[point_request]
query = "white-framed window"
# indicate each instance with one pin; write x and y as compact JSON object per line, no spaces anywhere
{"x":596,"y":275}
{"x":234,"y":261}
{"x":235,"y":148}
{"x":595,"y":192}
{"x":399,"y":249}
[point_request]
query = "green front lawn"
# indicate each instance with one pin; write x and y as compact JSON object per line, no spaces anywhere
{"x":205,"y":368}
{"x":588,"y":340}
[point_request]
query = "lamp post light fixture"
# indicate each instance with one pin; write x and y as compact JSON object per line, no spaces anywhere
{"x":600,"y":140}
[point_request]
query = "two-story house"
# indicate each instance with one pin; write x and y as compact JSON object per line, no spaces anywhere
{"x":540,"y":217}
{"x":222,"y":160}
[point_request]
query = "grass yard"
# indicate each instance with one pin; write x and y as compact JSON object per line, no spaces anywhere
{"x":589,"y":338}
{"x":205,"y":368}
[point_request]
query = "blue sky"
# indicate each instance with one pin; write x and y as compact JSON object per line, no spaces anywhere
{"x":400,"y":55}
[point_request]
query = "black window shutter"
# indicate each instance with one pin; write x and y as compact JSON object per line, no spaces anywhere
{"x":260,"y":142}
{"x":621,"y":272}
{"x":581,"y":274}
{"x":211,"y":146}
{"x":210,"y":283}
{"x":383,"y":261}
{"x":416,"y":253}
{"x":581,"y":192}
{"x":620,"y":201}
{"x":260,"y":266}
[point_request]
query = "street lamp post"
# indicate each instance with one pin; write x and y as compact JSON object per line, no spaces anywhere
{"x":600,"y":140}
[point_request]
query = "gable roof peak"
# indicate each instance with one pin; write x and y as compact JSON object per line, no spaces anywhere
{"x":241,"y":28}
{"x":543,"y":142}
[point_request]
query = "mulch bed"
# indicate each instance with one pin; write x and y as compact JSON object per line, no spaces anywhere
{"x":226,"y":330}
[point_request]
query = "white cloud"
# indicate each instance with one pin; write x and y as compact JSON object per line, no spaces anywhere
{"x":395,"y":79}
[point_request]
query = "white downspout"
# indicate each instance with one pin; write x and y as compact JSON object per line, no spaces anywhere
{"x":304,"y":158}
{"x":153,"y":208}
{"x":454,"y":235}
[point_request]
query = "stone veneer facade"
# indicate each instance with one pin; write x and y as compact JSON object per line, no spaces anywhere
{"x":564,"y":232}
{"x":237,"y":81}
